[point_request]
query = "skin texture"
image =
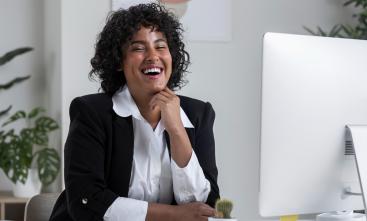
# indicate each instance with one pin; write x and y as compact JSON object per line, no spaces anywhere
{"x":148,"y":48}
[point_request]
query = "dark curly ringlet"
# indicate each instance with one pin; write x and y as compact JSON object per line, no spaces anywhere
{"x":120,"y":27}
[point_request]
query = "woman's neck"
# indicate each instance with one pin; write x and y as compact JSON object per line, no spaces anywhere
{"x":150,"y":114}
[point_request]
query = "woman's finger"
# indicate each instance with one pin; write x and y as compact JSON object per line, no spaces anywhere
{"x":207,"y":212}
{"x":169,"y":91}
{"x":165,"y":93}
{"x":161,"y":97}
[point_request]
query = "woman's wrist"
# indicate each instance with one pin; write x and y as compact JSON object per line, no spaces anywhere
{"x":178,"y":130}
{"x":158,"y":211}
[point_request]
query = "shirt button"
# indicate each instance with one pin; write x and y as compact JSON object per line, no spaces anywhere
{"x":84,"y":201}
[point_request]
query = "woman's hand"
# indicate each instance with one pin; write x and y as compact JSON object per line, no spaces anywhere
{"x":193,"y":211}
{"x":186,"y":212}
{"x":169,"y":105}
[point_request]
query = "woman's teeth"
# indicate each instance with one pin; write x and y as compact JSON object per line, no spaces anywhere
{"x":152,"y":71}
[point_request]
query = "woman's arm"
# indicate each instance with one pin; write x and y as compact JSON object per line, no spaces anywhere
{"x":190,"y":211}
{"x":181,"y":149}
{"x":169,"y":104}
{"x":86,"y":191}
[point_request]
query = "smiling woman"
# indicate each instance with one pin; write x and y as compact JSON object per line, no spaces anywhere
{"x":147,"y":62}
{"x":138,"y":151}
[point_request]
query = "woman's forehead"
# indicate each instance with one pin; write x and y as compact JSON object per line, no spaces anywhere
{"x":145,"y":33}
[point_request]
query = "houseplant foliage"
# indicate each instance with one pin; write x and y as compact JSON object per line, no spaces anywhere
{"x":19,"y":151}
{"x":357,"y":31}
{"x":4,"y":86}
{"x":27,"y":148}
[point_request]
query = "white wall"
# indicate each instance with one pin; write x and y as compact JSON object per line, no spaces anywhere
{"x":81,"y":22}
{"x":21,"y":24}
{"x":52,"y":66}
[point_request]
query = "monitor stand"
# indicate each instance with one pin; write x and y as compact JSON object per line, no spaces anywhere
{"x":356,"y":137}
{"x":341,"y":216}
{"x":355,"y":144}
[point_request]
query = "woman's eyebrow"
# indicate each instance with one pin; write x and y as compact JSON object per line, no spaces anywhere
{"x":143,"y":42}
{"x":137,"y":42}
{"x":160,"y":40}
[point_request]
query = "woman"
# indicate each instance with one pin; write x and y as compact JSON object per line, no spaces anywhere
{"x":138,"y":151}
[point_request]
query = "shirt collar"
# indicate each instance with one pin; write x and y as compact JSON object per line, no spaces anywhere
{"x":124,"y":106}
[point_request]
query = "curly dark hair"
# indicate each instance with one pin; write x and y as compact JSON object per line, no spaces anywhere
{"x":120,"y":27}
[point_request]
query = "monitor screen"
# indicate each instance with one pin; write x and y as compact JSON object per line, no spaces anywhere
{"x":311,"y":88}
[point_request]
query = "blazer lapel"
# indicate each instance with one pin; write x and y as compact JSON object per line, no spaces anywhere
{"x":122,"y":155}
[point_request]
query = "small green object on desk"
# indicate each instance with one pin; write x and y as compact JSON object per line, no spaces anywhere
{"x":224,"y":208}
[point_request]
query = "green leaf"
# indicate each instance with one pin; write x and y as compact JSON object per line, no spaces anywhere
{"x":349,"y":2}
{"x":35,"y":112}
{"x":13,"y":82}
{"x":48,"y":162}
{"x":40,"y":137}
{"x":16,"y":160}
{"x":321,"y":32}
{"x":4,"y":112}
{"x":46,"y":124}
{"x":334,"y":32}
{"x":34,"y":136}
{"x":18,"y":115}
{"x":27,"y":134}
{"x":309,"y":30}
{"x":12,"y":54}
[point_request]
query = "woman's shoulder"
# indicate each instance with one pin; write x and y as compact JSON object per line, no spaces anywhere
{"x":94,"y":99}
{"x":195,"y":108}
{"x":99,"y":102}
{"x":190,"y":102}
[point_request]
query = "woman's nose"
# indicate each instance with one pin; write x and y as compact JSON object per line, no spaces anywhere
{"x":152,"y":56}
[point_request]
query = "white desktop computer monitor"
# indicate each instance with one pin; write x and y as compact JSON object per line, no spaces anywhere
{"x":311,"y":88}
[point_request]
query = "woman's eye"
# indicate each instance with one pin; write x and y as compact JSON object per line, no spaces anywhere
{"x":161,"y":47}
{"x":138,"y":49}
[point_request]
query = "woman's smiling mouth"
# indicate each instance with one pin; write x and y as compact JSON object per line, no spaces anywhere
{"x":152,"y":71}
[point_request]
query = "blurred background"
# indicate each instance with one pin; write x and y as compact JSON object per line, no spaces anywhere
{"x":226,"y":73}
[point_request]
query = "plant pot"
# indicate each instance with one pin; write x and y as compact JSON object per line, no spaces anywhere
{"x":221,"y":219}
{"x":30,"y":188}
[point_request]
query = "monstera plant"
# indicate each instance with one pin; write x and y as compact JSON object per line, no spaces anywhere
{"x":29,"y":147}
{"x":24,"y":145}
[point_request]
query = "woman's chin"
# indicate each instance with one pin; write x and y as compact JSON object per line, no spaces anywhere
{"x":158,"y":89}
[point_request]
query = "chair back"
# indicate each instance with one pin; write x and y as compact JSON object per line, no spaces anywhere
{"x":39,"y":207}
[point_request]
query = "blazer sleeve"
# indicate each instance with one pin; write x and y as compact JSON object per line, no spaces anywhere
{"x":87,"y":194}
{"x":205,"y":151}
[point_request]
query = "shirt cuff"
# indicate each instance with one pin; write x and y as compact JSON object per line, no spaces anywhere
{"x":189,"y":182}
{"x":126,"y":209}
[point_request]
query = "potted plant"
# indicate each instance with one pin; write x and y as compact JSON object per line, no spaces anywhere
{"x":21,"y":153}
{"x":356,"y":31}
{"x":26,"y":154}
{"x":223,"y":209}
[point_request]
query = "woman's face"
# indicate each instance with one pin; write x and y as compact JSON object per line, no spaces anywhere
{"x":147,"y":62}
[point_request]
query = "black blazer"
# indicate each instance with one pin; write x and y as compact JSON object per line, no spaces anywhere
{"x":99,"y":153}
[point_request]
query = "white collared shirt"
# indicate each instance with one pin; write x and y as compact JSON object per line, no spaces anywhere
{"x":154,"y":176}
